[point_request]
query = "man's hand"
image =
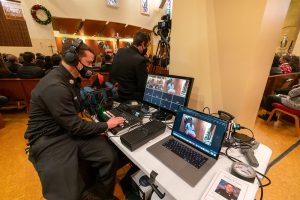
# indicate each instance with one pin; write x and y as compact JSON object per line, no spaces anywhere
{"x":115,"y":121}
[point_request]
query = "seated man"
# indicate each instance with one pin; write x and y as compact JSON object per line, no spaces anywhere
{"x":29,"y":68}
{"x":59,"y":138}
{"x":12,"y":63}
{"x":292,"y":100}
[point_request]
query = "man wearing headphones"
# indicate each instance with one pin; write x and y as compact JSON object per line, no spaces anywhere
{"x":59,"y":138}
{"x":129,"y":68}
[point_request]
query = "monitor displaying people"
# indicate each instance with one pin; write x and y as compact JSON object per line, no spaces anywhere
{"x":198,"y":129}
{"x":168,"y":92}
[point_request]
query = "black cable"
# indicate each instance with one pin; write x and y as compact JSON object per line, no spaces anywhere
{"x":261,"y":188}
{"x":205,"y":109}
{"x":237,"y":160}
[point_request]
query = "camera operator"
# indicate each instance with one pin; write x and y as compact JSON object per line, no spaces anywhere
{"x":129,"y":68}
{"x":59,"y":138}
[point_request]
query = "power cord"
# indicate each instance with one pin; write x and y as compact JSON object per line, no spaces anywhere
{"x":206,"y":108}
{"x":237,"y":160}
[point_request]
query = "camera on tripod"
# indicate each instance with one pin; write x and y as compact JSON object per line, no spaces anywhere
{"x":163,"y":28}
{"x":162,"y":55}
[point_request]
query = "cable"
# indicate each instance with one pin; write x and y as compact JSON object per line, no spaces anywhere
{"x":237,"y":160}
{"x":205,"y":109}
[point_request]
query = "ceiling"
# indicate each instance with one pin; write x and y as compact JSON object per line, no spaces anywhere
{"x":94,"y":28}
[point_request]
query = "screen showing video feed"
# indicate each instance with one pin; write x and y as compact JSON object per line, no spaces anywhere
{"x":203,"y":132}
{"x":167,"y":92}
{"x":197,"y":129}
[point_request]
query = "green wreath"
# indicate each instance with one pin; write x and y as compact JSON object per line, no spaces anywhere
{"x":35,"y":8}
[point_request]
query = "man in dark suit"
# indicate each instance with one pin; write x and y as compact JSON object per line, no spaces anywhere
{"x":12,"y":64}
{"x":129,"y":68}
{"x":29,"y":69}
{"x":108,"y":64}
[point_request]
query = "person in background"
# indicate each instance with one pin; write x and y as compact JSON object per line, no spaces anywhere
{"x":292,"y":100}
{"x":98,"y":61}
{"x":12,"y":63}
{"x":275,"y":69}
{"x":4,"y":71}
{"x":21,"y":60}
{"x":56,"y":60}
{"x":29,"y":69}
{"x":129,"y":68}
{"x":108,"y":64}
{"x":284,"y":64}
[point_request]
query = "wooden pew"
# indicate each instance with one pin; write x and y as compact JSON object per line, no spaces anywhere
{"x":12,"y":88}
{"x":28,"y":85}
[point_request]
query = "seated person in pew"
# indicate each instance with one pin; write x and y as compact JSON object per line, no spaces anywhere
{"x":284,"y":64}
{"x":59,"y":139}
{"x":292,"y":100}
{"x":29,"y":68}
{"x":12,"y":63}
{"x":4,"y":71}
{"x":108,"y":63}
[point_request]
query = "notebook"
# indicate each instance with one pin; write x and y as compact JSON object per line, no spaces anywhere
{"x":198,"y":132}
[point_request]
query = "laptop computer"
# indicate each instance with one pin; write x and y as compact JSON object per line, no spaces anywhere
{"x":195,"y":131}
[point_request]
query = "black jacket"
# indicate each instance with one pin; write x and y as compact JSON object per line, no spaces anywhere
{"x":54,"y":107}
{"x":13,"y":67}
{"x":130,"y":71}
{"x":106,"y":67}
{"x":30,"y":72}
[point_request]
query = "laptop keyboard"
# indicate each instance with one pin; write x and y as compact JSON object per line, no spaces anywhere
{"x":189,"y":155}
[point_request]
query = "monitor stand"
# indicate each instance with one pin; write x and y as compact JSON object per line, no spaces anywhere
{"x":161,"y":115}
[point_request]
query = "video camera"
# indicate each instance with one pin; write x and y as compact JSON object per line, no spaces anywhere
{"x":163,"y":28}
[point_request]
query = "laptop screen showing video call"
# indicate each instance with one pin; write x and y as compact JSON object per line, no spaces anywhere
{"x":167,"y":92}
{"x":203,"y":132}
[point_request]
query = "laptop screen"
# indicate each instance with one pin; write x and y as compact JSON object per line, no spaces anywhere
{"x":201,"y":131}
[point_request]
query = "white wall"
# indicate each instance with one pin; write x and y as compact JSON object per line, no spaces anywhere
{"x":227,"y":46}
{"x":42,"y":36}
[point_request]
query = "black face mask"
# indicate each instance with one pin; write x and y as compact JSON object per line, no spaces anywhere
{"x":86,"y":72}
{"x":144,"y":51}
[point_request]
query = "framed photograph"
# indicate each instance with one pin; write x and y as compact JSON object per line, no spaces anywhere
{"x":12,"y":9}
{"x":145,"y":8}
{"x":112,"y":3}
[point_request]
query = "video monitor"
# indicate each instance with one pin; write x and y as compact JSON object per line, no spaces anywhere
{"x":167,"y":93}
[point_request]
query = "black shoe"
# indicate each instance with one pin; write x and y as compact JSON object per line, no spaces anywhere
{"x":264,"y":116}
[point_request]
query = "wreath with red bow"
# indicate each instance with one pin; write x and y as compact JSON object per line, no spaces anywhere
{"x":34,"y":10}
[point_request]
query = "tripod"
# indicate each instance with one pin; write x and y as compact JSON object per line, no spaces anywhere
{"x":162,"y":55}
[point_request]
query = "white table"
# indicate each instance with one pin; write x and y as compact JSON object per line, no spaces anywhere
{"x":174,"y":186}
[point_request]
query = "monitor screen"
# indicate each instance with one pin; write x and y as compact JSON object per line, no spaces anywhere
{"x":203,"y":132}
{"x":167,"y":92}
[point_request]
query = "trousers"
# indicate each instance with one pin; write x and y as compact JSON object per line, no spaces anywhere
{"x":56,"y":160}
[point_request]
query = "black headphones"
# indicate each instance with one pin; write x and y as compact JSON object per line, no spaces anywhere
{"x":71,"y":55}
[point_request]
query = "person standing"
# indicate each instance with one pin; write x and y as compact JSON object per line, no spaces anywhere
{"x":59,"y":139}
{"x":129,"y":68}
